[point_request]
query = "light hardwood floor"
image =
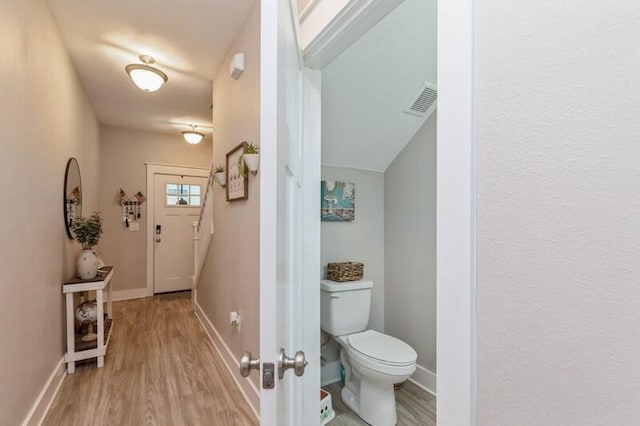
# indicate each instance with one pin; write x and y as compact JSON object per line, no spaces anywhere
{"x":160,"y":369}
{"x":414,"y":406}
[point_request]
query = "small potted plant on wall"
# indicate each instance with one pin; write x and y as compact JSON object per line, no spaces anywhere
{"x":220,"y":176}
{"x":250,"y":158}
{"x":87,"y":232}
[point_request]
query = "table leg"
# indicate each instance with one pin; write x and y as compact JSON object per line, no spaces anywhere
{"x":100,"y":306}
{"x":110,"y":299}
{"x":71,"y":333}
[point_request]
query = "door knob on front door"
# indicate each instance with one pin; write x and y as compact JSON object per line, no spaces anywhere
{"x":298,"y":363}
{"x":247,"y":364}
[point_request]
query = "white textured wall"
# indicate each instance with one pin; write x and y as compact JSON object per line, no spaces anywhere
{"x":410,"y":245}
{"x":231,"y":277}
{"x":558,"y":96}
{"x":45,"y":118}
{"x":123,"y":154}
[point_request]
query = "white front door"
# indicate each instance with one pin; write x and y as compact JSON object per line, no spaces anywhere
{"x":177,"y":200}
{"x":289,"y":219}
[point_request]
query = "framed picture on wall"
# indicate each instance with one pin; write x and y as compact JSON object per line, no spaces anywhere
{"x":237,"y":185}
{"x":338,"y":201}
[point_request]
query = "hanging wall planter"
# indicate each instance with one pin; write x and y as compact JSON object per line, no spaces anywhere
{"x":220,"y":176}
{"x":249,"y":160}
{"x":252,"y":161}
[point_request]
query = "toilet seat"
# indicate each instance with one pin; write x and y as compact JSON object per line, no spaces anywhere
{"x":380,"y":348}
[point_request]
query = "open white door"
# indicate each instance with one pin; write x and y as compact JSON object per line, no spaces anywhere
{"x":289,"y":220}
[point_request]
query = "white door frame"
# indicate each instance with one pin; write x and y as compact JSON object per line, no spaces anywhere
{"x":456,"y":190}
{"x":166,"y":169}
{"x":456,"y":214}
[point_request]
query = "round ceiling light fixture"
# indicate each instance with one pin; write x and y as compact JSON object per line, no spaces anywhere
{"x":191,"y":136}
{"x":146,"y":77}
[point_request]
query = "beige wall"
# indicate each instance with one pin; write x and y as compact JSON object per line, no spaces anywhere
{"x":359,"y":241}
{"x":363,"y":239}
{"x":558,"y":95}
{"x":230,"y":278}
{"x":123,"y":154}
{"x":45,"y":118}
{"x":410,"y":245}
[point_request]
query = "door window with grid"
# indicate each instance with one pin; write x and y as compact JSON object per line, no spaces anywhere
{"x":182,"y":195}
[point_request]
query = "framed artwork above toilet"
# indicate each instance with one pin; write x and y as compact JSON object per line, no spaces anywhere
{"x":337,"y":201}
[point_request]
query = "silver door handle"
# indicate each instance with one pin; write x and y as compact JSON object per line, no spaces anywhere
{"x":247,"y":364}
{"x":158,"y":240}
{"x":298,"y":363}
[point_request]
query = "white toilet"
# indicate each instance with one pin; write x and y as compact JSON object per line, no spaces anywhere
{"x":373,"y":362}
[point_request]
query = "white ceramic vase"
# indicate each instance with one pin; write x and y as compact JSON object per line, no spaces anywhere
{"x":87,"y":265}
{"x":252,"y":160}
{"x":221,"y":178}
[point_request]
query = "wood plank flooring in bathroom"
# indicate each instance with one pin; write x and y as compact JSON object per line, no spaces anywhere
{"x":415,"y":407}
{"x":160,"y":369}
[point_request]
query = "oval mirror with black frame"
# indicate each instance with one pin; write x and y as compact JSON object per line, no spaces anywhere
{"x":72,"y":195}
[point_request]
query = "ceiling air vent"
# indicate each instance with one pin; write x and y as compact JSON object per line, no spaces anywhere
{"x":424,"y":102}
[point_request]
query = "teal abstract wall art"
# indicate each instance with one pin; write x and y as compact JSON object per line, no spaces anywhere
{"x":338,"y":201}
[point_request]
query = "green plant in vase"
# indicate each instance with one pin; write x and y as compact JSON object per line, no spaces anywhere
{"x":87,"y":232}
{"x":249,"y":158}
{"x":220,"y":176}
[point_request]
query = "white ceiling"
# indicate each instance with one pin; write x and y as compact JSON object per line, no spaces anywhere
{"x":367,"y":87}
{"x":188,"y":39}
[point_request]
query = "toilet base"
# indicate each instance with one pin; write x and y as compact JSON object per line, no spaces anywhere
{"x":374,"y":404}
{"x":350,"y":399}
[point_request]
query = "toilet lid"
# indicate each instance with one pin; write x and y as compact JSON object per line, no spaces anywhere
{"x":383,"y":348}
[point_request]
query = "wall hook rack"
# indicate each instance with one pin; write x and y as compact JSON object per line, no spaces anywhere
{"x":131,"y":211}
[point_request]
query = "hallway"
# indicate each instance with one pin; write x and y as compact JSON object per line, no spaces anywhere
{"x":160,"y":369}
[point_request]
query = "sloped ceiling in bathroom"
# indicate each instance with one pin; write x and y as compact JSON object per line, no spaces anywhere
{"x":366,"y":89}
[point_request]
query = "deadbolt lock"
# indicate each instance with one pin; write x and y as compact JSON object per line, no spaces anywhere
{"x":268,"y":375}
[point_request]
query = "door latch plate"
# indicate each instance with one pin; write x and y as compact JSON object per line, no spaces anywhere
{"x":268,"y":373}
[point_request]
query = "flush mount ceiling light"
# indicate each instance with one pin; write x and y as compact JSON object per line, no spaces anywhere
{"x":191,"y":136}
{"x":145,"y":76}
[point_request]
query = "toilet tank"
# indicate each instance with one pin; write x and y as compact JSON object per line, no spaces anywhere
{"x":345,"y":307}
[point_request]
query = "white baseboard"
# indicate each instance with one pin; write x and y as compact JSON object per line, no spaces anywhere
{"x":134,"y":293}
{"x":247,"y":387}
{"x":41,"y":406}
{"x":330,"y":373}
{"x":425,"y":379}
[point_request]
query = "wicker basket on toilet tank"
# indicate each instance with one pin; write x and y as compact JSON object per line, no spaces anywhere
{"x":345,"y":271}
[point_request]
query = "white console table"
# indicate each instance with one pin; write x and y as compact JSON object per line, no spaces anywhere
{"x":77,"y":349}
